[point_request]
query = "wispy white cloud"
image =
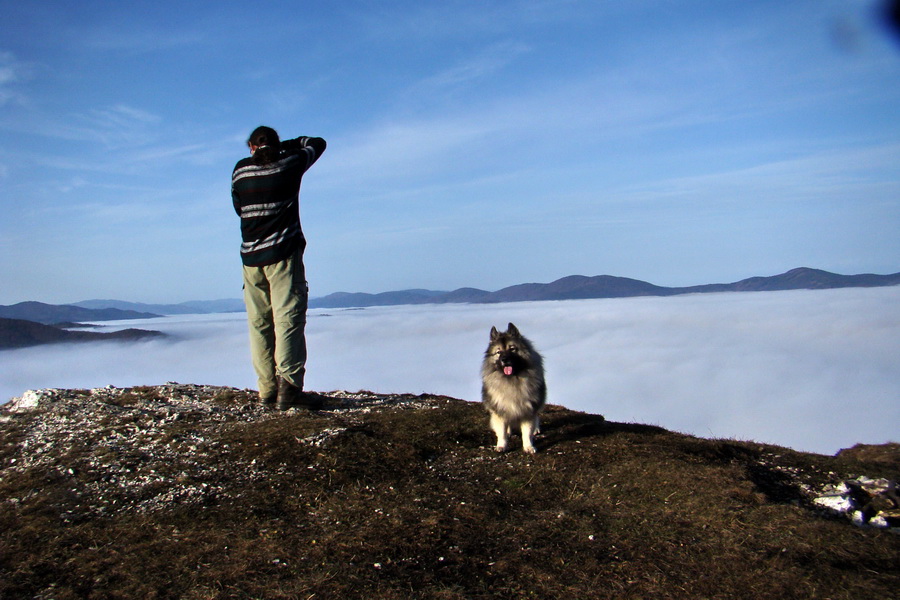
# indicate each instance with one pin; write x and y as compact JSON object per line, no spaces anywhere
{"x":812,"y":174}
{"x":483,"y":64}
{"x":405,"y":151}
{"x":12,"y":72}
{"x":121,"y":115}
{"x":116,"y":126}
{"x":111,"y":126}
{"x":442,"y":22}
{"x":7,"y":71}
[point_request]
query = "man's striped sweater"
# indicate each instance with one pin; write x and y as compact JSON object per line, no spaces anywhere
{"x":267,"y":198}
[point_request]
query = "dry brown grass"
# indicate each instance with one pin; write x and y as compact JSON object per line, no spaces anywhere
{"x":402,"y":503}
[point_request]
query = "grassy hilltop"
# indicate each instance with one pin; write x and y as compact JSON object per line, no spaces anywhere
{"x":197,"y":492}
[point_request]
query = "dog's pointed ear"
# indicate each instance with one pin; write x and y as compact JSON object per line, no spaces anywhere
{"x":511,"y":330}
{"x":494,"y":333}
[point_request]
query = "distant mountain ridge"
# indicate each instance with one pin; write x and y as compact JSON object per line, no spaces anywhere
{"x":49,"y":314}
{"x":195,"y":307}
{"x":580,"y":287}
{"x":573,"y":287}
{"x":92,"y":311}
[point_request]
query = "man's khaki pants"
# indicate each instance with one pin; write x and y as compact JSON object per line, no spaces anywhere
{"x":276,"y":297}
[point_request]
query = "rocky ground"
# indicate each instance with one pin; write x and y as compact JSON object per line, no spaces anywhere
{"x":189,"y":491}
{"x":139,"y":449}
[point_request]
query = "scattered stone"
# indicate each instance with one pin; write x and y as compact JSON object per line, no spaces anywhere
{"x":865,"y":501}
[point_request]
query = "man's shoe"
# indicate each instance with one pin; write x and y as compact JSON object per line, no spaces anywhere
{"x":272,"y":399}
{"x":290,"y":396}
{"x":287,"y":394}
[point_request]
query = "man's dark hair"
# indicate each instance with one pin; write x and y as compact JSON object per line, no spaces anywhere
{"x":268,"y":145}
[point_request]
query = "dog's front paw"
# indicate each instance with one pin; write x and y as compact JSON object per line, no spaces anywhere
{"x":500,"y":449}
{"x":530,"y":450}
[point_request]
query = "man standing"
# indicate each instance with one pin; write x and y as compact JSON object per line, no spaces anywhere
{"x":265,"y":191}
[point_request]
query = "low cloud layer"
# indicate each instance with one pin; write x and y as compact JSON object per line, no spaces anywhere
{"x":814,"y":370}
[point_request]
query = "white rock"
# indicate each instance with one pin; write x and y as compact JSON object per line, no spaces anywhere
{"x":29,"y":400}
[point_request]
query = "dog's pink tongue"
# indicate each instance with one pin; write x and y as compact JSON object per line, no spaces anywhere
{"x":507,"y":370}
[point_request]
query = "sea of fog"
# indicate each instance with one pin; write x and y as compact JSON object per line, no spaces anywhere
{"x":813,"y":370}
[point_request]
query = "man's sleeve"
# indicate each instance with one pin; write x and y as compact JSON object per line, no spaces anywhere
{"x":235,"y":202}
{"x":311,"y":147}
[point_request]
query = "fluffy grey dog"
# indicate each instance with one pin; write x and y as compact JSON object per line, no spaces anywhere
{"x":512,"y":386}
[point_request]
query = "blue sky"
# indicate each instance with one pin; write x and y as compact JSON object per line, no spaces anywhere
{"x":473,"y":143}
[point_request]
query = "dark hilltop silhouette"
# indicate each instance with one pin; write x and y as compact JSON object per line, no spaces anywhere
{"x":580,"y":287}
{"x":19,"y":333}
